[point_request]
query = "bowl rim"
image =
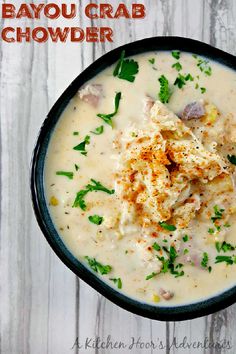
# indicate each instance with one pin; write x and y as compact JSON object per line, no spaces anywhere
{"x":164,"y":313}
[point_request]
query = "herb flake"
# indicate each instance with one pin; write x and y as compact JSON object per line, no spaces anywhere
{"x":82,"y":146}
{"x":108,"y":117}
{"x":164,"y":93}
{"x":98,"y":130}
{"x":95,"y":219}
{"x":67,"y":174}
{"x":166,"y":226}
{"x":126,"y":69}
{"x":117,"y":281}
{"x":97,"y":266}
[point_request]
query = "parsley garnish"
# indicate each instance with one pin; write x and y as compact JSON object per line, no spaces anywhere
{"x":225,"y":247}
{"x":117,"y":281}
{"x":177,"y":66}
{"x":189,"y":77}
{"x":185,"y":238}
{"x":82,"y":146}
{"x":227,"y":259}
{"x":232,"y":159}
{"x":164,"y":93}
{"x":204,"y":66}
{"x":150,"y":276}
{"x":96,"y":186}
{"x":203,"y":89}
{"x":176,"y":54}
{"x":98,"y":267}
{"x":186,"y":251}
{"x":168,"y":264}
{"x":76,"y":167}
{"x":152,"y":61}
{"x":79,"y":200}
{"x":69,"y":175}
{"x":96,"y":219}
{"x":75,"y":133}
{"x":196,"y":86}
{"x":98,"y":130}
{"x":156,"y":247}
{"x":211,"y":231}
{"x":180,"y":81}
{"x":126,"y":69}
{"x":107,"y":117}
{"x":218,"y":213}
{"x":166,"y":226}
{"x":205,"y":259}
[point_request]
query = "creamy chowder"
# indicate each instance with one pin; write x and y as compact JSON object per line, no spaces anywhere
{"x":140,"y":176}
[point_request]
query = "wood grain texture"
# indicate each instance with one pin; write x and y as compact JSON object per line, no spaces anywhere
{"x":43,"y":306}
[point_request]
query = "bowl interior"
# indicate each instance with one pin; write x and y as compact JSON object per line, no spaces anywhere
{"x":180,"y":312}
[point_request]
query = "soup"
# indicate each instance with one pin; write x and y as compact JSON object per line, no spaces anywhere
{"x":140,"y":174}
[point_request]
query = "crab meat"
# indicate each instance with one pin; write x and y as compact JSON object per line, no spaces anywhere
{"x":91,"y":94}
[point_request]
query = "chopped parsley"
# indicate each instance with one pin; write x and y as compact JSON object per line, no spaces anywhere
{"x":196,"y":86}
{"x":79,"y":200}
{"x":108,"y":117}
{"x":205,"y":259}
{"x":169,"y":264}
{"x":95,"y":219}
{"x":227,"y":225}
{"x":180,"y":81}
{"x":98,"y":130}
{"x":186,"y":251}
{"x":75,"y":133}
{"x":152,"y":61}
{"x":227,"y":259}
{"x":69,"y":175}
{"x":98,"y":267}
{"x":224,"y":246}
{"x":203,"y":89}
{"x":177,"y":66}
{"x":232,"y":159}
{"x":166,"y":226}
{"x":96,"y":186}
{"x":211,"y":231}
{"x":218,"y":213}
{"x":189,"y":77}
{"x":117,"y":281}
{"x":164,"y":93}
{"x":82,"y":146}
{"x":156,"y":247}
{"x":204,"y":66}
{"x":204,"y":262}
{"x":176,"y":54}
{"x":150,"y":276}
{"x":185,"y":238}
{"x":76,"y":167}
{"x":126,"y":69}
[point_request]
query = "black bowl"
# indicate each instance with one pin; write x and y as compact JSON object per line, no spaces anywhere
{"x":166,"y":313}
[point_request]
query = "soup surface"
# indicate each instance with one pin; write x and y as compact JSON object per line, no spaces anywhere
{"x":140,"y":173}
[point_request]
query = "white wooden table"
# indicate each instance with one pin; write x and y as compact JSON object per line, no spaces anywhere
{"x":44,"y":307}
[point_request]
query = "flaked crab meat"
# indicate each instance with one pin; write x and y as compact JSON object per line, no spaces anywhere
{"x":166,"y":294}
{"x":91,"y":94}
{"x":193,"y":110}
{"x":148,"y":103}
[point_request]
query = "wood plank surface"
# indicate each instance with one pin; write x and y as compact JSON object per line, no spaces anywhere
{"x":44,"y":308}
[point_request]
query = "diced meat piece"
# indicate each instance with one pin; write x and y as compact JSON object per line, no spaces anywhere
{"x":194,"y":110}
{"x":166,"y":294}
{"x":91,"y":94}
